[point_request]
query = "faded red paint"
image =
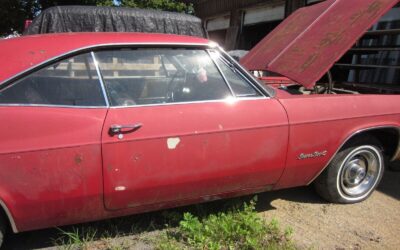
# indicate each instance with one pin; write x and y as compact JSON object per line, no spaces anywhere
{"x":223,"y":147}
{"x":61,"y":166}
{"x":307,"y":43}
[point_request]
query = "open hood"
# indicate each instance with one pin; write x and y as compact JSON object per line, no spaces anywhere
{"x":306,"y":44}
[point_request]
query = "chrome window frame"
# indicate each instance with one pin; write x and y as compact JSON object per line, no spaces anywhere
{"x":14,"y":81}
{"x":221,"y":73}
{"x":264,"y":89}
{"x":101,"y":79}
{"x":250,"y":83}
{"x":265,"y":94}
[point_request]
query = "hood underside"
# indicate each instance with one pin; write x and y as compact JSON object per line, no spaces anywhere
{"x":306,"y":44}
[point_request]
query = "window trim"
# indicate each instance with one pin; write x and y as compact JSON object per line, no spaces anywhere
{"x":37,"y":69}
{"x":221,"y":73}
{"x":101,"y":79}
{"x":226,"y":100}
{"x":264,"y":90}
{"x":226,"y":61}
{"x":266,"y":93}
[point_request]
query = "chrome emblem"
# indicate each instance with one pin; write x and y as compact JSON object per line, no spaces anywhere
{"x":316,"y":154}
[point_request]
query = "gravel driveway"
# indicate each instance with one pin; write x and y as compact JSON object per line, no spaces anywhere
{"x":372,"y":224}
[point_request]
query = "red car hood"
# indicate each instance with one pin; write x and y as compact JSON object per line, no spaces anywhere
{"x":306,"y":44}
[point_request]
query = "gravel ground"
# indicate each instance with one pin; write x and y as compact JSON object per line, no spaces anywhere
{"x":372,"y":224}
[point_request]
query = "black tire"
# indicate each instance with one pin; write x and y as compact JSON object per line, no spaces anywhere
{"x":3,"y":229}
{"x":394,"y":166}
{"x":354,"y":172}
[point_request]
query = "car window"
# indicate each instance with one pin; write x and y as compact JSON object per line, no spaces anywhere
{"x":71,"y":82}
{"x":153,"y":76}
{"x":240,"y":86}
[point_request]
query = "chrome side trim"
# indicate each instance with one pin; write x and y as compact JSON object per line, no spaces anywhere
{"x":9,"y":216}
{"x":351,"y":136}
{"x":101,"y":80}
{"x":233,"y":100}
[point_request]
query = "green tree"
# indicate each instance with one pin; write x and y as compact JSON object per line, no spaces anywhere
{"x":14,"y":13}
{"x":169,"y":5}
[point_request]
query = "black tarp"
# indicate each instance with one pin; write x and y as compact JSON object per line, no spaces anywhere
{"x":62,"y":19}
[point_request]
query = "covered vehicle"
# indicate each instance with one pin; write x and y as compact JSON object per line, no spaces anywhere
{"x":110,"y":124}
{"x":61,"y":19}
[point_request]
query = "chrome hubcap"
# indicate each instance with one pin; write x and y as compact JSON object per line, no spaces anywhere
{"x":360,"y":171}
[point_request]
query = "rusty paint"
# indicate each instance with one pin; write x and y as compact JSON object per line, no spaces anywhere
{"x":323,"y":31}
{"x":78,"y":159}
{"x":136,"y":157}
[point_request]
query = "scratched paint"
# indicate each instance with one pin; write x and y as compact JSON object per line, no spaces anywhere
{"x":120,"y":188}
{"x":172,"y":143}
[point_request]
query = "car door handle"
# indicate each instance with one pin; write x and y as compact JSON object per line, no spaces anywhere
{"x":122,"y":129}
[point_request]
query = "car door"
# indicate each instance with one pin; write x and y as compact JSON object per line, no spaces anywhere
{"x":50,"y":150}
{"x":178,"y":131}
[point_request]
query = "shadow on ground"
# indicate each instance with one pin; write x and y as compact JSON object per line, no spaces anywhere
{"x":149,"y":222}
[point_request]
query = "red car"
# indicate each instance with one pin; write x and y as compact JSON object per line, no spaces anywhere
{"x":98,"y":125}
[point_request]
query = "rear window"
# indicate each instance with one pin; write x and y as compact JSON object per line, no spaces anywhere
{"x":71,"y":82}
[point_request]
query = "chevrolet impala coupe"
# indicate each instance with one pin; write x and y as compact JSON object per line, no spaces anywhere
{"x":98,"y":125}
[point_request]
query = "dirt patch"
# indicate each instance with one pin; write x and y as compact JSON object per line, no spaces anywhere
{"x":372,"y":224}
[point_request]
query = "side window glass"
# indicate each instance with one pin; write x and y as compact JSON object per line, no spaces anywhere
{"x":71,"y":82}
{"x":152,"y":76}
{"x":240,"y":86}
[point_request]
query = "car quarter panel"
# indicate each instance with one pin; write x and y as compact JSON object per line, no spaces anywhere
{"x":321,"y":124}
{"x":193,"y":150}
{"x":50,"y":165}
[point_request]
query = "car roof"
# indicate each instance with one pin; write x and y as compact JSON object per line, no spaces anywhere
{"x":25,"y":53}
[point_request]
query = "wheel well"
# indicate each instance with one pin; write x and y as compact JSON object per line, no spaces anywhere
{"x":7,"y":218}
{"x":388,"y":137}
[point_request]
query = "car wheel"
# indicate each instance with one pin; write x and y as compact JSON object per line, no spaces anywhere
{"x":354,"y":172}
{"x":3,"y":227}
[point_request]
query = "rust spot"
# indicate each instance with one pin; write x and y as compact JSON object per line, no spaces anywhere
{"x":331,"y":38}
{"x":374,"y":8}
{"x":136,"y":157}
{"x":78,"y":159}
{"x":310,"y":60}
{"x":109,"y":168}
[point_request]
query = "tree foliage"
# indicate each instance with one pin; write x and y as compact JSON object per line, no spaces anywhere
{"x":15,"y":12}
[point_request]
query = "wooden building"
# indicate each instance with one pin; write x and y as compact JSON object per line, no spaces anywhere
{"x":240,"y":24}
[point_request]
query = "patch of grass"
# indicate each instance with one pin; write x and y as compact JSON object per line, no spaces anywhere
{"x":237,"y":228}
{"x":76,"y":239}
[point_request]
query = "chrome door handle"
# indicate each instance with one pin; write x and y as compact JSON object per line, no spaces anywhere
{"x":121,"y":129}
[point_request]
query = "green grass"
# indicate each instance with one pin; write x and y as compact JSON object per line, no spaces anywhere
{"x":219,"y":225}
{"x":237,"y":228}
{"x":76,"y":239}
